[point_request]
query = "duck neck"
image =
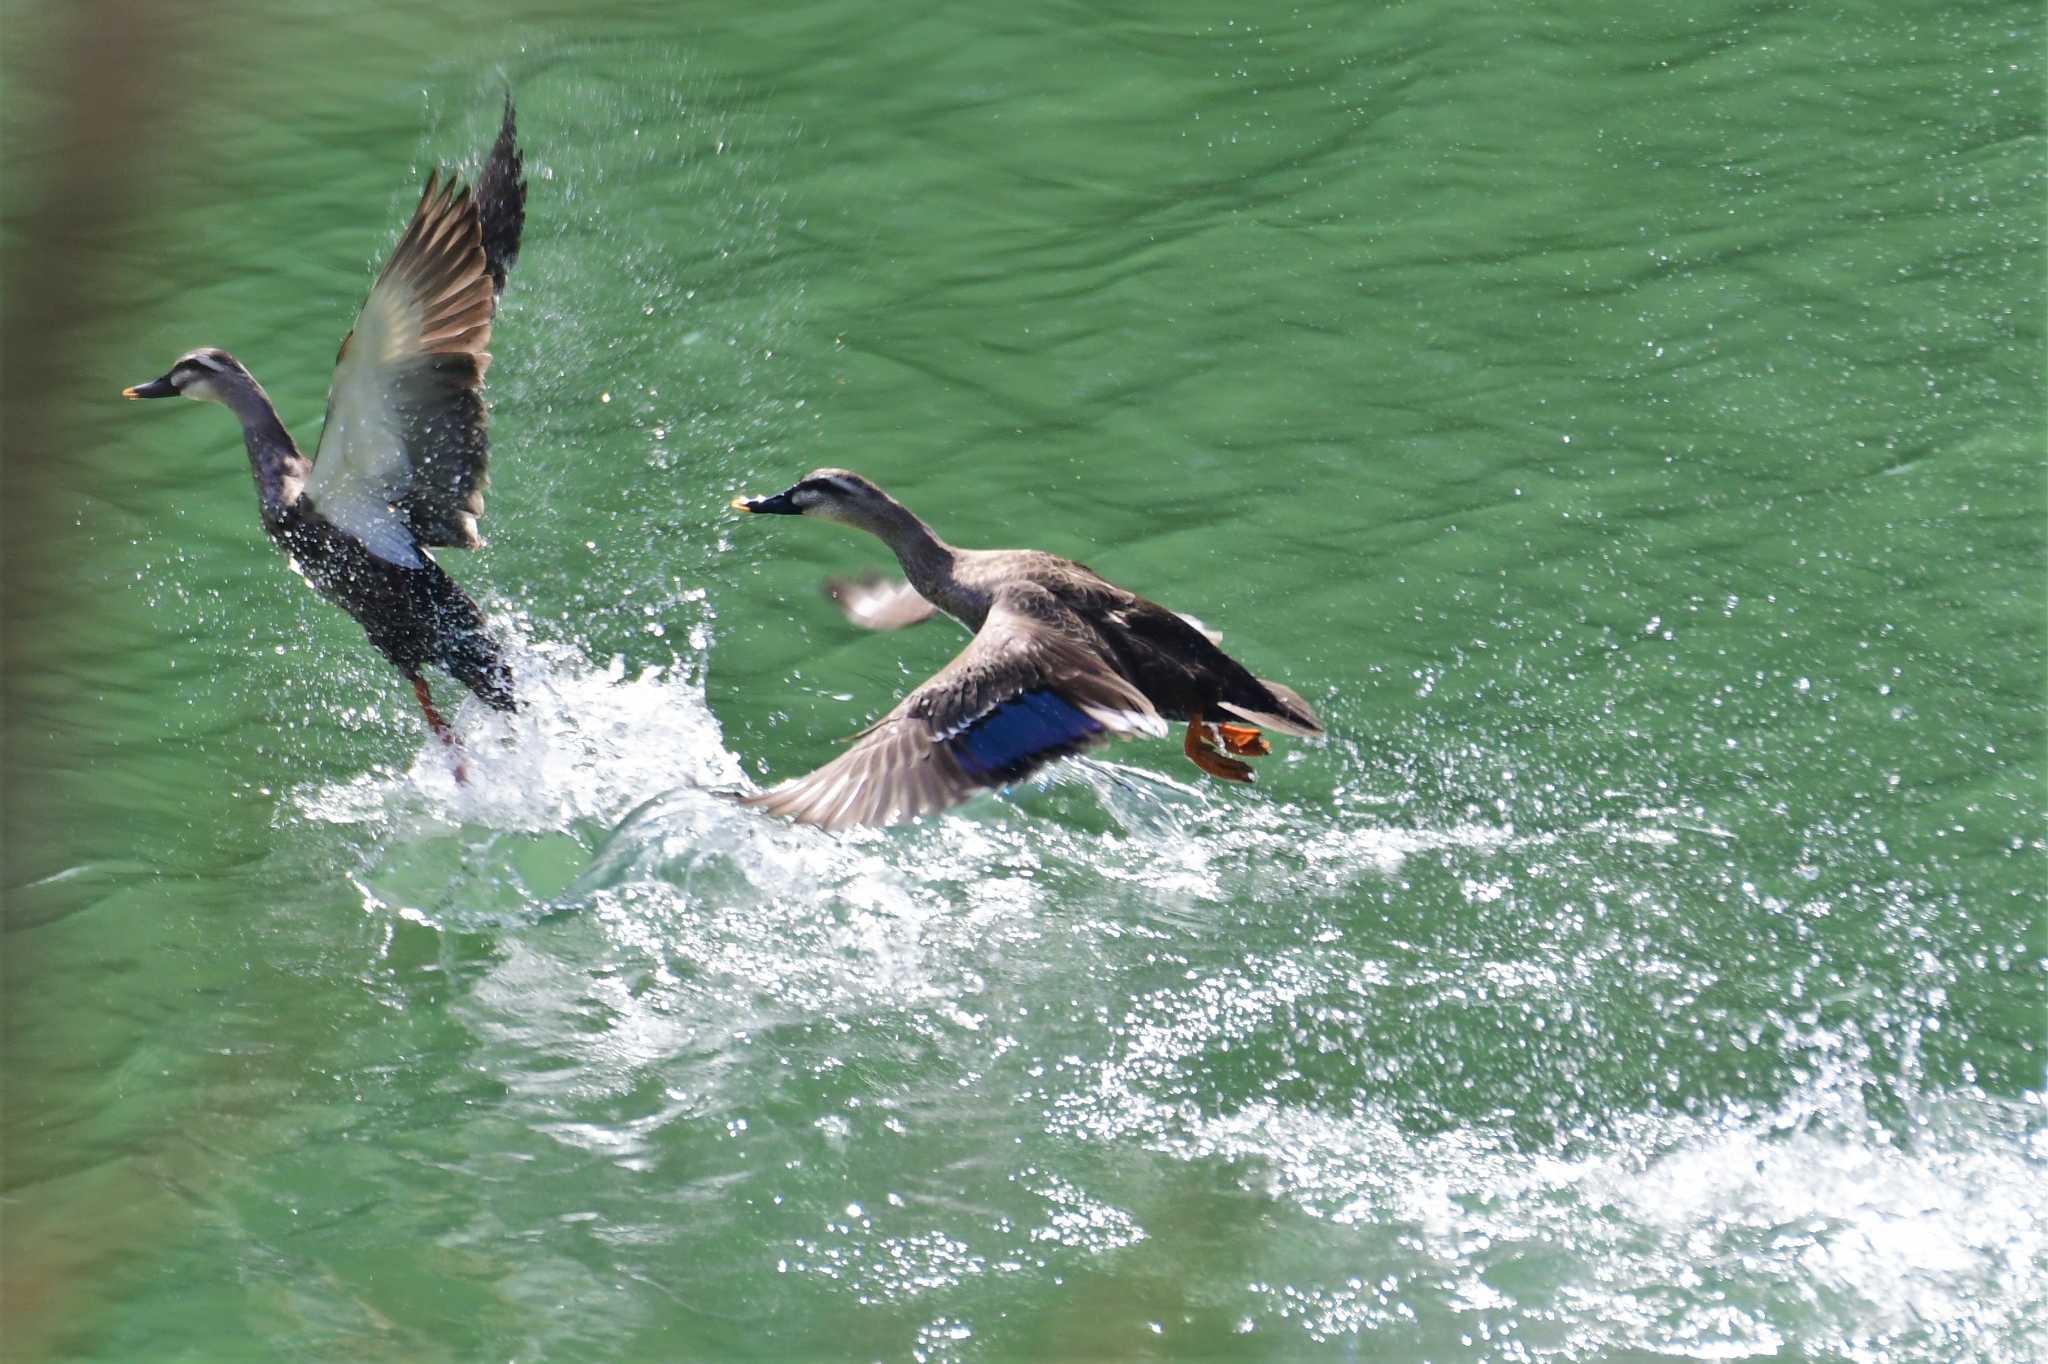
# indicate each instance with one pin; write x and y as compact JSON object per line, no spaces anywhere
{"x":274,"y":458}
{"x":927,"y":560}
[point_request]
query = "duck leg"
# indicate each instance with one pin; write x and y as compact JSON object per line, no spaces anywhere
{"x":440,"y":727}
{"x":1244,"y":739}
{"x":1202,"y":752}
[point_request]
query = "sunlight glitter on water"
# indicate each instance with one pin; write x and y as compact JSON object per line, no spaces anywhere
{"x":693,"y":934}
{"x":1675,"y":1234}
{"x":707,"y":929}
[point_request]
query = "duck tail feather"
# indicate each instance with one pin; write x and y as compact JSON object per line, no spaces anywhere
{"x":1292,"y":716}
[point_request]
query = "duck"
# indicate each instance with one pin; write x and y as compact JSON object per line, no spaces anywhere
{"x":401,"y":463}
{"x":1061,"y":660}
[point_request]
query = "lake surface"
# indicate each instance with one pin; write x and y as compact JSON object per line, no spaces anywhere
{"x":1625,"y":428}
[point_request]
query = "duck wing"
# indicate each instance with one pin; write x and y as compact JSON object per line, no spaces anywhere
{"x":402,"y":455}
{"x":1022,"y":693}
{"x":879,"y":601}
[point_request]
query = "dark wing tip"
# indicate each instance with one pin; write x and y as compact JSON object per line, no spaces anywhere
{"x":501,"y":199}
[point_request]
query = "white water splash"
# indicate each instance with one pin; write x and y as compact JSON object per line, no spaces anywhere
{"x":588,"y":743}
{"x":1711,"y":1237}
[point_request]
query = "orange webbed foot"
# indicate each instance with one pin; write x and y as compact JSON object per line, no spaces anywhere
{"x":1202,"y":752}
{"x":1244,"y":739}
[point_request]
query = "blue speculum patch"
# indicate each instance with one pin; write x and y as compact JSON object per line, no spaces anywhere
{"x":1009,"y":737}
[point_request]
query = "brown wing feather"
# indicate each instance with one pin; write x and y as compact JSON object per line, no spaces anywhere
{"x":913,"y":761}
{"x":406,"y":430}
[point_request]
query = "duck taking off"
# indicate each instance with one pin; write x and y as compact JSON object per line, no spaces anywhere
{"x":1060,"y":661}
{"x":400,"y":464}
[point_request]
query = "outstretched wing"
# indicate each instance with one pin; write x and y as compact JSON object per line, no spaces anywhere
{"x":1021,"y":694}
{"x":401,"y":458}
{"x":878,"y":601}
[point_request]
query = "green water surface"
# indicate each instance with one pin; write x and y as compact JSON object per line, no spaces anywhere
{"x":1624,"y":424}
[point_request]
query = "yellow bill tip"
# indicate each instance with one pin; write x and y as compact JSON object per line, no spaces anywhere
{"x":740,"y":504}
{"x":130,"y":393}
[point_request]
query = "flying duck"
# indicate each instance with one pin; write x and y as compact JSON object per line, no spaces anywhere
{"x":1060,"y":660}
{"x":400,"y":464}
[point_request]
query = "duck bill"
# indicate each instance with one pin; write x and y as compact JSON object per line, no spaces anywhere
{"x":155,"y":388}
{"x":778,"y":505}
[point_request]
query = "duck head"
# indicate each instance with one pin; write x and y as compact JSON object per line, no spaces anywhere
{"x":205,"y":375}
{"x":828,"y":494}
